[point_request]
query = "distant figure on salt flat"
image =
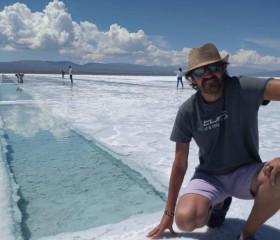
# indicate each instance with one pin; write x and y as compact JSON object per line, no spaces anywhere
{"x":62,"y":72}
{"x":180,"y":77}
{"x":70,"y":74}
{"x":19,"y":77}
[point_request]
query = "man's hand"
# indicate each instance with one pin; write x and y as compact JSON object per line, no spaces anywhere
{"x":166,"y":223}
{"x":271,"y":169}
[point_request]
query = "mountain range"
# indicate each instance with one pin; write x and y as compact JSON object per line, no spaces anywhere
{"x":36,"y":66}
{"x":55,"y":67}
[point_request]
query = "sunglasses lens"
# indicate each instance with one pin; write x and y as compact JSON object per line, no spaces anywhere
{"x":199,"y":71}
{"x":213,"y":67}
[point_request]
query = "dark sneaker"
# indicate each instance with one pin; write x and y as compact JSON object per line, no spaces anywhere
{"x":218,"y":216}
{"x":247,"y":238}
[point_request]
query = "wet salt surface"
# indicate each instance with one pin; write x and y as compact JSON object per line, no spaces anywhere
{"x":68,"y":183}
{"x":133,"y":117}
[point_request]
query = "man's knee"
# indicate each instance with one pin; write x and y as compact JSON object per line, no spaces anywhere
{"x":190,"y":220}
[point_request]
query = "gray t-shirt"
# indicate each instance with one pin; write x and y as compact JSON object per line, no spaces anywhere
{"x":226,"y":131}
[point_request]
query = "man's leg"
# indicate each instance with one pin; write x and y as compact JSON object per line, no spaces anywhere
{"x":267,"y":203}
{"x":195,"y":205}
{"x":218,"y":213}
{"x":193,"y":211}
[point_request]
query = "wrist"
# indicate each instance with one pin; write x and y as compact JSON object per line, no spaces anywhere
{"x":169,"y":214}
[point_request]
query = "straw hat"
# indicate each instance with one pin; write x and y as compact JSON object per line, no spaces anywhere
{"x":204,"y":55}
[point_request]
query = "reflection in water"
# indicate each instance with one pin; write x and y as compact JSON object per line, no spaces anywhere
{"x":27,"y":121}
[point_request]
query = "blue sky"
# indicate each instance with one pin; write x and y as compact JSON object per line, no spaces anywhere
{"x":150,"y":32}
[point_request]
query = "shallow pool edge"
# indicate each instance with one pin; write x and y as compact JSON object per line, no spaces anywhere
{"x":10,"y":228}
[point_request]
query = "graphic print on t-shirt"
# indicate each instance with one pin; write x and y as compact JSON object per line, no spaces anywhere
{"x":215,"y":122}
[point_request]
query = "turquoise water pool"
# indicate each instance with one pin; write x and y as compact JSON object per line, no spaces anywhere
{"x":67,"y":183}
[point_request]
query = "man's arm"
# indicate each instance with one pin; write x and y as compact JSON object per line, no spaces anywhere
{"x":178,"y":172}
{"x":272,"y":90}
{"x":179,"y":169}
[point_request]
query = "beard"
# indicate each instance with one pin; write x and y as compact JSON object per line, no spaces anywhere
{"x":212,"y":85}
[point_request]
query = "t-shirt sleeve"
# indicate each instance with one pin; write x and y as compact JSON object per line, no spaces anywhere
{"x":253,"y":85}
{"x":181,"y":129}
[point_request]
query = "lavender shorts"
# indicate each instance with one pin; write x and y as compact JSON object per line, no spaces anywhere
{"x":218,"y":187}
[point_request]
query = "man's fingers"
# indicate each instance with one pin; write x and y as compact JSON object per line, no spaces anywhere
{"x":165,"y":223}
{"x":267,"y":169}
{"x":153,"y":232}
{"x":273,"y":175}
{"x":271,"y":169}
{"x":156,"y":232}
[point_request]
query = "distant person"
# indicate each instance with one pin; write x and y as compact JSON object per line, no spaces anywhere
{"x":19,"y":77}
{"x":70,"y":74}
{"x":222,"y":118}
{"x":63,"y":73}
{"x":180,"y":77}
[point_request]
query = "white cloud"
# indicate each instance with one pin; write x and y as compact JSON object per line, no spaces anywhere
{"x":92,"y":44}
{"x":252,"y":58}
{"x":54,"y":29}
{"x":265,"y":42}
{"x":159,"y":56}
{"x":22,"y":29}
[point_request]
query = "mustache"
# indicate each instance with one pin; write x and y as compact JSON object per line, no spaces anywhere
{"x":213,"y":78}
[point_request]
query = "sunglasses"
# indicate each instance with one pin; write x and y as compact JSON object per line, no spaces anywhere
{"x":212,"y":68}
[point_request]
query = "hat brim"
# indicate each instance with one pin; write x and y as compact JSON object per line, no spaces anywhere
{"x":224,"y":60}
